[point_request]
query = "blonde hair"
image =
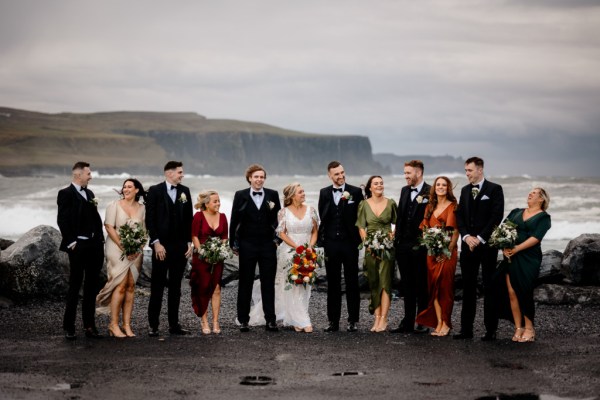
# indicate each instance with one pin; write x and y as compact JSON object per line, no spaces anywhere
{"x":545,"y":197}
{"x":289,"y":192}
{"x":203,"y":199}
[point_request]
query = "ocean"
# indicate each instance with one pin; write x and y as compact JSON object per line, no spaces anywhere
{"x":26,"y":202}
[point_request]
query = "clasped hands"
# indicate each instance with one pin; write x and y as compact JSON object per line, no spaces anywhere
{"x":472,"y":242}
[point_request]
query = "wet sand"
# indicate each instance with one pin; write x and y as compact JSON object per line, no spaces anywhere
{"x":37,"y":363}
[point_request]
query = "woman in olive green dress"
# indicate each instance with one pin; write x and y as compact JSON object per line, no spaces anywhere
{"x":377,"y":213}
{"x":521,"y":265}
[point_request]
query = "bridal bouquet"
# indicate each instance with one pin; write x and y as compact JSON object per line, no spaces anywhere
{"x":379,"y":244}
{"x":133,"y":238}
{"x":302,"y":266}
{"x":437,"y":241}
{"x":214,"y":251}
{"x":504,"y":235}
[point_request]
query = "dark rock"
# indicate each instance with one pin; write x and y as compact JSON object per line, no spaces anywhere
{"x":5,"y":302}
{"x":5,"y":243}
{"x":581,"y":260}
{"x":34,"y":267}
{"x":146,"y":273}
{"x":550,"y":271}
{"x":566,"y":294}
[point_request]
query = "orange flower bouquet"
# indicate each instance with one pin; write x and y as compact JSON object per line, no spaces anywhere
{"x":302,"y":266}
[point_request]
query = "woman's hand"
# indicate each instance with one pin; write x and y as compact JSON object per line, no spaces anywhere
{"x":132,"y":257}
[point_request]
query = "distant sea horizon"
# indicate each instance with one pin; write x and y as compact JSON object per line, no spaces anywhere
{"x":26,"y":202}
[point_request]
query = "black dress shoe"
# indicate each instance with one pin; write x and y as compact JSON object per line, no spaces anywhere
{"x":244,"y":327}
{"x":153,"y":332}
{"x":333,"y":327}
{"x":421,"y":329}
{"x":178,"y":330}
{"x":402,"y":329}
{"x":271,"y":326}
{"x":352,"y":327}
{"x":463,"y":336}
{"x":489,"y":337}
{"x":92,"y":333}
{"x":70,"y":334}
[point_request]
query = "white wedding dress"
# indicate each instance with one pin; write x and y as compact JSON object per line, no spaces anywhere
{"x":291,"y":305}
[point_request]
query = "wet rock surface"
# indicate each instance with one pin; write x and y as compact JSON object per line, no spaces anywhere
{"x":581,"y":260}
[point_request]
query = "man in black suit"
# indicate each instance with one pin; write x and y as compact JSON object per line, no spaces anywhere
{"x":252,"y":233}
{"x":82,"y":239}
{"x":480,"y":209}
{"x":338,"y":234}
{"x":412,"y":262}
{"x":169,"y":216}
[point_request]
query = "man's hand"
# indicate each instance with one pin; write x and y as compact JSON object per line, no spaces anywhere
{"x":189,"y":251}
{"x":472,"y":242}
{"x":160,"y":251}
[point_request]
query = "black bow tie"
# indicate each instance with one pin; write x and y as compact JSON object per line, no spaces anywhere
{"x":173,"y":187}
{"x":256,"y":193}
{"x":475,"y":186}
{"x":82,"y":188}
{"x":414,"y":190}
{"x":337,"y":190}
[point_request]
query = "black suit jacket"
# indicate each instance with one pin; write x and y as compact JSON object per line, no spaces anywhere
{"x":479,"y":216}
{"x":418,"y":212}
{"x":240,"y":224}
{"x":166,"y":221}
{"x":349,"y":212}
{"x":77,"y":216}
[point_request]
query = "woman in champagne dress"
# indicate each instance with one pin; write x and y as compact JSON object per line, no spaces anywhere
{"x":205,"y":279}
{"x":378,"y":213}
{"x":298,"y":226}
{"x":440,"y":269}
{"x":122,"y":272}
{"x":521,"y":265}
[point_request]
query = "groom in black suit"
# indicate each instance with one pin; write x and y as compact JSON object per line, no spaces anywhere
{"x":252,"y":233}
{"x":412,"y":262}
{"x":83,"y":240}
{"x":169,"y":217}
{"x":338,"y":234}
{"x":480,"y":209}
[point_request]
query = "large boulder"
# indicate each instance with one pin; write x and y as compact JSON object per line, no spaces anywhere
{"x":581,"y":260}
{"x":5,"y":243}
{"x":550,"y":270}
{"x":34,"y":267}
{"x":567,"y":294}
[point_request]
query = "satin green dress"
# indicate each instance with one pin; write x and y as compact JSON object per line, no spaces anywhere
{"x":378,"y":272}
{"x":524,"y":267}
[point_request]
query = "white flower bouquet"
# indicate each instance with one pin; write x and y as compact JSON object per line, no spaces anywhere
{"x":379,"y":244}
{"x":214,"y":251}
{"x":437,"y":241}
{"x":504,"y":235}
{"x":133,"y":238}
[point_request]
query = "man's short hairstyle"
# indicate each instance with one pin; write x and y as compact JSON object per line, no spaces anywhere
{"x":415,"y":164}
{"x":173,"y":165}
{"x":252,"y":169}
{"x":80,"y":165}
{"x":332,"y":165}
{"x":475,"y":160}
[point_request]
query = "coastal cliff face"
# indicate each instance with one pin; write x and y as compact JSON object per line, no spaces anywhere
{"x":141,"y":142}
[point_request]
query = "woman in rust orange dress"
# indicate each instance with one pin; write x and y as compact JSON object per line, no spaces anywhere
{"x":205,"y":279}
{"x":440,"y":269}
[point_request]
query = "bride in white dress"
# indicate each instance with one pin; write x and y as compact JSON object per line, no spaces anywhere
{"x":298,"y":225}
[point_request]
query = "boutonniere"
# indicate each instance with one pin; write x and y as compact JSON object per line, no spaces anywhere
{"x":420,"y":199}
{"x":271,"y":205}
{"x":474,"y":192}
{"x":183,"y":198}
{"x":94,"y":201}
{"x":346,"y":196}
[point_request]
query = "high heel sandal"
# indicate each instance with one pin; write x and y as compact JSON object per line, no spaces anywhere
{"x":531,"y":338}
{"x":516,"y":337}
{"x":383,"y":320}
{"x":444,"y":332}
{"x":128,"y":331}
{"x":216,"y":328}
{"x":437,"y":332}
{"x":375,"y":324}
{"x":115,"y":331}
{"x":205,"y":329}
{"x":308,"y":329}
{"x":297,"y":329}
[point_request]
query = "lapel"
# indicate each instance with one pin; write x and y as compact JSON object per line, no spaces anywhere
{"x":404,"y":199}
{"x":166,"y":197}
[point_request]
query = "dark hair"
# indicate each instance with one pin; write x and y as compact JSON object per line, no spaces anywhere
{"x":433,"y":200}
{"x":173,"y":165}
{"x":138,"y":185}
{"x":333,"y":164}
{"x":475,"y":160}
{"x":368,"y":193}
{"x":80,"y":165}
{"x":252,"y":169}
{"x":415,"y":164}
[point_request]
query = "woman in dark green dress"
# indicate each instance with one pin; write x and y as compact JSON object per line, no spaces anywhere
{"x":521,"y":265}
{"x":377,"y":213}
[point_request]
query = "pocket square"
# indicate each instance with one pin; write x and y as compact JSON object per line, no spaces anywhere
{"x":350,"y":201}
{"x":484,"y":197}
{"x":425,"y":201}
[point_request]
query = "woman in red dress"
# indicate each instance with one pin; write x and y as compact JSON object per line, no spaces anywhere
{"x":440,"y":269}
{"x":205,"y":279}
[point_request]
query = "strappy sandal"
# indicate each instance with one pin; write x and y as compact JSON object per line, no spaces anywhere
{"x":516,"y":337}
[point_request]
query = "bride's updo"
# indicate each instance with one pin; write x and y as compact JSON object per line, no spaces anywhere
{"x":203,"y":199}
{"x":289,"y":192}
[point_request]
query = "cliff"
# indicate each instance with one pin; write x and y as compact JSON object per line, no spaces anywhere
{"x":141,"y":142}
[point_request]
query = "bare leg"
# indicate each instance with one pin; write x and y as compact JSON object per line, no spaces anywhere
{"x":516,"y":310}
{"x":529,"y":332}
{"x":216,"y":307}
{"x":116,"y":303}
{"x":377,"y":313}
{"x":128,"y":304}
{"x":384,"y":309}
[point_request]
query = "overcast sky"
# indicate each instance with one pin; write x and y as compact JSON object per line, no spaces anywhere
{"x":515,"y":82}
